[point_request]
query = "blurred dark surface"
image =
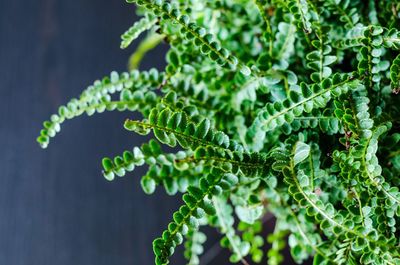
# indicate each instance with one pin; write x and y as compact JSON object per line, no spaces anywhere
{"x":55,"y":206}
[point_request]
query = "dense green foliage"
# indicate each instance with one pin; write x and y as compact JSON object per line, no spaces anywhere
{"x":289,"y":108}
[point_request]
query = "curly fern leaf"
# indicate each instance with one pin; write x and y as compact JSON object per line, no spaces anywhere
{"x":120,"y":164}
{"x":135,"y":93}
{"x":134,"y":32}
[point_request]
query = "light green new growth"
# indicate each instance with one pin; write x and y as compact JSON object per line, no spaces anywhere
{"x":278,"y":108}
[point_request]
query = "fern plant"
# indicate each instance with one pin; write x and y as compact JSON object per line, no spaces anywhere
{"x":283,"y":108}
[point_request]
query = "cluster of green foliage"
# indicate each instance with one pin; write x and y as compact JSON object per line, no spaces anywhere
{"x":289,"y":108}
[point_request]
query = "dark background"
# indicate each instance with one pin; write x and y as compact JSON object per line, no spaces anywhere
{"x":55,"y":206}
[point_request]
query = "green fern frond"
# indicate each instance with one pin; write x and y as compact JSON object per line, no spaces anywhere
{"x":345,"y":9}
{"x":139,"y":27}
{"x":135,"y":91}
{"x":175,"y":127}
{"x":301,"y":13}
{"x":197,"y":203}
{"x":276,"y":114}
{"x":120,"y":164}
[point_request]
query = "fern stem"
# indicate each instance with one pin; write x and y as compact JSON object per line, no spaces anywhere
{"x":310,"y":159}
{"x":267,"y":23}
{"x":146,"y":45}
{"x":304,"y":235}
{"x":359,"y":205}
{"x":371,"y":178}
{"x":292,"y":30}
{"x":219,"y":159}
{"x":393,"y":154}
{"x":342,"y":12}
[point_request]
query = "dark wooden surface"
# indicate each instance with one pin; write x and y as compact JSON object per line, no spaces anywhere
{"x":55,"y":207}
